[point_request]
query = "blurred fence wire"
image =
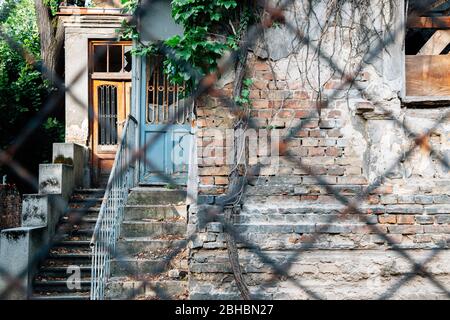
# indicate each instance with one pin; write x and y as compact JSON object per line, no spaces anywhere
{"x":233,"y":198}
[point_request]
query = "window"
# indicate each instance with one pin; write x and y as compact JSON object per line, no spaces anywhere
{"x":107,"y":115}
{"x":111,"y":57}
{"x":427,"y":48}
{"x":165,"y":101}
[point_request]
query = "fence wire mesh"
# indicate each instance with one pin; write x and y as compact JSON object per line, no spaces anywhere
{"x":235,"y":196}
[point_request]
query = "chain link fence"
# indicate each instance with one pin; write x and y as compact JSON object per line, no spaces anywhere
{"x":226,"y":205}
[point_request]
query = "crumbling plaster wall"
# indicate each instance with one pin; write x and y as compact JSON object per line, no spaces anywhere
{"x":355,"y":138}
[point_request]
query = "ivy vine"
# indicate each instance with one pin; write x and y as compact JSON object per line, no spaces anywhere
{"x":211,"y":27}
{"x":244,"y":99}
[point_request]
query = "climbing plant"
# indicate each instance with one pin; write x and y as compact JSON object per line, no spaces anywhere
{"x":210,"y":28}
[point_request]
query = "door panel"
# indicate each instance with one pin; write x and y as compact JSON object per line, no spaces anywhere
{"x":165,"y":128}
{"x":157,"y":151}
{"x":166,"y":153}
{"x":180,"y":150}
{"x":109,"y":114}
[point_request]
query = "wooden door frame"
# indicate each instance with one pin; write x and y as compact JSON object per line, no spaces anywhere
{"x":119,"y":77}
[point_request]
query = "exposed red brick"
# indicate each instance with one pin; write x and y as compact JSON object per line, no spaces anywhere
{"x":309,"y":198}
{"x":300,"y":94}
{"x":214,"y":171}
{"x":333,"y":151}
{"x":335,"y":171}
{"x":299,"y":114}
{"x":390,"y":219}
{"x":261,"y":66}
{"x":316,"y":151}
{"x":335,"y":133}
{"x":206,"y":180}
{"x":265,"y":114}
{"x":267,"y":76}
{"x":285,"y":114}
{"x":260,"y":104}
{"x":405,"y":219}
{"x":255,"y":94}
{"x":317,"y":133}
{"x":302,"y":133}
{"x":334,"y":114}
{"x":311,"y":123}
{"x":386,"y":189}
{"x":259,"y":85}
{"x":373,"y":199}
{"x":221,"y":180}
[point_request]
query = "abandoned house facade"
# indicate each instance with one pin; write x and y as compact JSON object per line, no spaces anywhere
{"x":346,"y":207}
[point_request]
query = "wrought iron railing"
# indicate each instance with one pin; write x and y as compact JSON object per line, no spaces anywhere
{"x":107,"y":228}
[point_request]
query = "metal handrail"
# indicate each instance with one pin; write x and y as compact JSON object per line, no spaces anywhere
{"x":107,"y":227}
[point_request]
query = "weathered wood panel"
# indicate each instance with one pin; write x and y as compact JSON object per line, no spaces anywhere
{"x":429,"y":22}
{"x":428,"y":75}
{"x":436,"y":44}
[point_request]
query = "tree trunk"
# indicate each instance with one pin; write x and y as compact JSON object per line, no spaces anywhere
{"x":51,"y":32}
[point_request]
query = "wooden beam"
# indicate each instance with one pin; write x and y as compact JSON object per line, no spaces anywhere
{"x":437,"y":3}
{"x":425,"y":6}
{"x":429,"y":22}
{"x":427,"y":75}
{"x":436,"y":44}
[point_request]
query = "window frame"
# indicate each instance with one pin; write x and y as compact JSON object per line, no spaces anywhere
{"x":122,"y":75}
{"x":429,"y":100}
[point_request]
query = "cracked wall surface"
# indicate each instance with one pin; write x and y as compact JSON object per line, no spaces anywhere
{"x":350,"y":136}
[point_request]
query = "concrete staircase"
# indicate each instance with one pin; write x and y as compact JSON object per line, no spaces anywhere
{"x":54,"y":279}
{"x":151,"y":260}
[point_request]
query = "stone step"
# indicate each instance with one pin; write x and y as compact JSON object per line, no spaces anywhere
{"x":152,"y":196}
{"x":68,"y":259}
{"x":61,"y":296}
{"x":50,"y":282}
{"x":83,"y":229}
{"x":85,"y":210}
{"x":76,"y":213}
{"x":138,"y":267}
{"x":135,"y":246}
{"x":82,"y":246}
{"x":49,"y":262}
{"x":78,"y":237}
{"x":89,"y":219}
{"x":89,"y":191}
{"x":59,"y":286}
{"x":84,"y":206}
{"x":124,"y":288}
{"x":73,"y":243}
{"x":152,"y":229}
{"x":61,"y":271}
{"x":86,"y":200}
{"x":85,"y":232}
{"x":79,"y":219}
{"x":158,"y":212}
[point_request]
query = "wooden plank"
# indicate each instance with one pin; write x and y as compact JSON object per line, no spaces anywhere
{"x":429,"y":22}
{"x":111,"y":76}
{"x":426,"y":101}
{"x":436,"y":3}
{"x":428,"y":75}
{"x":436,"y":44}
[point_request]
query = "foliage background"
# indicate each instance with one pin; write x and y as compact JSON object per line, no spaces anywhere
{"x":23,"y":93}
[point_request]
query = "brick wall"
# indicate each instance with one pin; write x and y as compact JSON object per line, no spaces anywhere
{"x":10,"y":206}
{"x":348,"y":143}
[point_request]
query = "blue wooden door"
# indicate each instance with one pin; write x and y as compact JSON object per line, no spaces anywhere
{"x":165,"y":128}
